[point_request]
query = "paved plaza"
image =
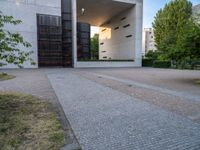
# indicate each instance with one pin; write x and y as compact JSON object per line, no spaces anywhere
{"x":124,"y":108}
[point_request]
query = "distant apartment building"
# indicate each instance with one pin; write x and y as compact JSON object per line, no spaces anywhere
{"x":196,"y":9}
{"x":196,"y":12}
{"x":148,"y":40}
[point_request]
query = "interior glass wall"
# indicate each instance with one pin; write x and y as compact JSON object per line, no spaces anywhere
{"x":83,"y":41}
{"x":49,"y":40}
{"x":66,"y":33}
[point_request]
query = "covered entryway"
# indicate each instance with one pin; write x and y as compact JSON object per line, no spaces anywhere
{"x":120,"y":34}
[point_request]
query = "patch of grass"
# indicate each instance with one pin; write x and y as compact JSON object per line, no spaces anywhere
{"x":5,"y":76}
{"x":197,"y":82}
{"x":27,"y":122}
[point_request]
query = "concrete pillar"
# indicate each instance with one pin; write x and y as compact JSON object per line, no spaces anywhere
{"x":74,"y":32}
{"x":138,"y":32}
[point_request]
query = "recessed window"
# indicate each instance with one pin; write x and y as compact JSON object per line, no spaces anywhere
{"x":103,"y":51}
{"x":116,"y":28}
{"x":123,"y":18}
{"x":125,"y":26}
{"x":101,"y":43}
{"x":128,"y":36}
{"x":105,"y":57}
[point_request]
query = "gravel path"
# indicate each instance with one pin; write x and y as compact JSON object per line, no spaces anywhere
{"x":104,"y":118}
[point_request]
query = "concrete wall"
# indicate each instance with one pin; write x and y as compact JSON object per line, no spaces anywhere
{"x":105,"y":64}
{"x":26,"y":11}
{"x":138,"y":32}
{"x":114,"y":43}
{"x":118,"y":46}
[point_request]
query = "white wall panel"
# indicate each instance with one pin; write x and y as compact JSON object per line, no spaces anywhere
{"x":118,"y":46}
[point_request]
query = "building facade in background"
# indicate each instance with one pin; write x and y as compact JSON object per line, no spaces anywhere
{"x":196,"y":9}
{"x":59,"y":31}
{"x":148,"y":40}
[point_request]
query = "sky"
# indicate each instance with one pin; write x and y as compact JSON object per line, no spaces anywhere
{"x":151,"y":7}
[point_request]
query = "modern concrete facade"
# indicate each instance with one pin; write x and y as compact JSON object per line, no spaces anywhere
{"x":116,"y":37}
{"x":148,"y":40}
{"x":120,"y":22}
{"x":26,"y":10}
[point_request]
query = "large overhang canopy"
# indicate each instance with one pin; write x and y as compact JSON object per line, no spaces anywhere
{"x":98,"y":12}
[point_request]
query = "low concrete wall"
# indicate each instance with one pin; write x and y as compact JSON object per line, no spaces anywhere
{"x":107,"y":64}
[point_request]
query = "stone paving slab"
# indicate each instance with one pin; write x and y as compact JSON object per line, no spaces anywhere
{"x":105,"y":119}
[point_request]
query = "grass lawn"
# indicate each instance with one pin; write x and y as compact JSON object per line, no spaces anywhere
{"x":27,"y":122}
{"x":5,"y":76}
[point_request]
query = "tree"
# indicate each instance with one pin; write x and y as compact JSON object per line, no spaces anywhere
{"x":152,"y":55}
{"x":189,"y":43}
{"x":10,"y":52}
{"x":95,"y":47}
{"x":169,"y":27}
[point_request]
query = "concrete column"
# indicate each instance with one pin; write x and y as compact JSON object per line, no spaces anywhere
{"x":138,"y":32}
{"x":74,"y":32}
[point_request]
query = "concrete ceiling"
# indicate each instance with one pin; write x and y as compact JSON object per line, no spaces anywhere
{"x":98,"y":12}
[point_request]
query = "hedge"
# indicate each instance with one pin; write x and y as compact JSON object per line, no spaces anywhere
{"x":147,"y":62}
{"x":161,"y":64}
{"x":187,"y":64}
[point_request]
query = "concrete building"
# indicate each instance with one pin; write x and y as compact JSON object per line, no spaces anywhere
{"x":148,"y":40}
{"x":196,"y":9}
{"x":59,"y":31}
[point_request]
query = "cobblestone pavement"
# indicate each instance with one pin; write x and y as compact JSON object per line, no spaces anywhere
{"x":185,"y":103}
{"x":35,"y":82}
{"x":109,"y":110}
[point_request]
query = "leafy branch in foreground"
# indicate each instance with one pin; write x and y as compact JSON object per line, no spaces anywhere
{"x":10,"y":44}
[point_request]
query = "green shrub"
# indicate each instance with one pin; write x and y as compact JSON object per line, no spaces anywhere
{"x":147,"y":62}
{"x":195,"y":64}
{"x":188,"y":64}
{"x":152,"y":55}
{"x":161,"y":64}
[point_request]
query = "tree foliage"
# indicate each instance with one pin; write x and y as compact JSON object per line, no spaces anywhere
{"x":177,"y":34}
{"x":95,"y":47}
{"x":152,"y":55}
{"x":10,"y":44}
